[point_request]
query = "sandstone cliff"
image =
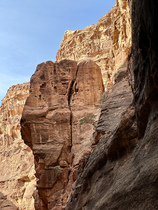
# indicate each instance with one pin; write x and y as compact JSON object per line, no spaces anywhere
{"x":116,"y":133}
{"x":17,"y":180}
{"x":111,"y":164}
{"x":61,"y":112}
{"x":63,"y":96}
{"x":122,"y":171}
{"x":106,"y":43}
{"x":69,"y":94}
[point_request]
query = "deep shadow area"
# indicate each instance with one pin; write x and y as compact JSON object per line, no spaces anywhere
{"x":145,"y":62}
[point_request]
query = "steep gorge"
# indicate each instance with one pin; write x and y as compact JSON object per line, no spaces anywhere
{"x":121,"y":173}
{"x":115,"y":165}
{"x":11,"y":110}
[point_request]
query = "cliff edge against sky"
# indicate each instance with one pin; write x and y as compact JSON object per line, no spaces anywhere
{"x":106,"y":43}
{"x":92,"y":149}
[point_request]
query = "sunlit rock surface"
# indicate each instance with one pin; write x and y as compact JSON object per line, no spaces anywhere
{"x":106,"y":43}
{"x":17,"y":180}
{"x":61,"y":94}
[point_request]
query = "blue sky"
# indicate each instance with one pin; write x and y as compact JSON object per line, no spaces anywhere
{"x":31,"y":32}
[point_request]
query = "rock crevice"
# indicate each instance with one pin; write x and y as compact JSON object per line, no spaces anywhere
{"x":71,"y":90}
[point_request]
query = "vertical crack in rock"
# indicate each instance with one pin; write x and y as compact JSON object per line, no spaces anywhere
{"x":70,"y":93}
{"x":71,"y":127}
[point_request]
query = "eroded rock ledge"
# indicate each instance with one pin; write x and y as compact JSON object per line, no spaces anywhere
{"x":60,"y":95}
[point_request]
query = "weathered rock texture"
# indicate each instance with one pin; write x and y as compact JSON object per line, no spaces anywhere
{"x":6,"y":204}
{"x":117,"y":135}
{"x":122,"y":171}
{"x":61,"y":94}
{"x":106,"y":43}
{"x":17,"y":180}
{"x":144,"y":57}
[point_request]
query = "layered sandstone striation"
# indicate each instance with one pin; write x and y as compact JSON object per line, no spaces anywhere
{"x":61,"y":95}
{"x":17,"y":180}
{"x":106,"y":43}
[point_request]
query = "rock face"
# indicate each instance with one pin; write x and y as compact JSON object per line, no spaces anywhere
{"x":106,"y":43}
{"x":143,"y":55}
{"x":117,"y":135}
{"x":116,"y":167}
{"x":17,"y":180}
{"x":122,"y":171}
{"x":5,"y":204}
{"x":118,"y":99}
{"x":62,"y":95}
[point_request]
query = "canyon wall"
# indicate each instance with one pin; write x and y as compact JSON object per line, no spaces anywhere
{"x":17,"y":180}
{"x":121,"y":173}
{"x":58,"y":121}
{"x":62,"y":110}
{"x":106,"y":43}
{"x":69,"y":92}
{"x":87,"y":158}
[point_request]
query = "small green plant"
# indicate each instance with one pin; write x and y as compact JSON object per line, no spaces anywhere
{"x":88,"y":119}
{"x":58,"y":170}
{"x":58,"y":193}
{"x":114,"y":76}
{"x":103,"y":98}
{"x":123,"y":65}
